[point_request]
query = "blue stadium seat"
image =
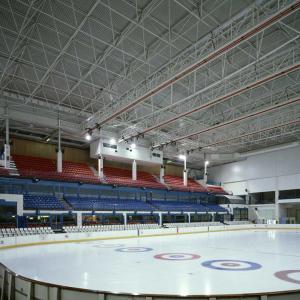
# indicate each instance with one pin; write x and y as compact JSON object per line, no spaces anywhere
{"x":89,"y":203}
{"x":42,"y":202}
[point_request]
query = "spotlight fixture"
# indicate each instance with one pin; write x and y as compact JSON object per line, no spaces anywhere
{"x":182,"y":157}
{"x":88,"y":135}
{"x":112,"y":141}
{"x":206,"y":162}
{"x":133,"y":146}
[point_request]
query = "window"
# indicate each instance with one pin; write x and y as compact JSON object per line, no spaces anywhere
{"x":106,"y":145}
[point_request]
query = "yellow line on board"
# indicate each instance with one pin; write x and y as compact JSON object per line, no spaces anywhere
{"x":134,"y":236}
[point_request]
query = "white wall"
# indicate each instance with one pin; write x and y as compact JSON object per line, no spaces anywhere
{"x":279,"y":169}
{"x":140,"y":154}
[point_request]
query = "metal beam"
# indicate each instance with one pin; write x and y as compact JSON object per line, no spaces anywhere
{"x":128,"y":29}
{"x":210,"y":57}
{"x":242,"y":118}
{"x":64,"y":49}
{"x":295,"y":122}
{"x":227,"y":96}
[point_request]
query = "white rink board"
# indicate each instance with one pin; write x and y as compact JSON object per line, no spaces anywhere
{"x":106,"y":265}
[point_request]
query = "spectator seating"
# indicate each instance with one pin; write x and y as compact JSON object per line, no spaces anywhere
{"x":177,"y":206}
{"x":45,"y":168}
{"x":89,"y":203}
{"x":42,"y":202}
{"x":78,"y":172}
{"x":7,"y":232}
{"x":215,"y":208}
{"x":216,"y":189}
{"x":176,"y":183}
{"x":95,"y":228}
{"x":3,"y":171}
{"x":124,"y":177}
{"x":192,"y":224}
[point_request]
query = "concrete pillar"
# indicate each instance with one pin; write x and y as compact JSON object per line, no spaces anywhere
{"x":6,"y":145}
{"x":185,"y":178}
{"x":59,"y":153}
{"x":189,"y":217}
{"x":134,"y":170}
{"x":100,"y":167}
{"x":79,"y":218}
{"x":205,"y":170}
{"x":59,"y":161}
{"x":247,"y":199}
{"x":162,"y":174}
{"x":277,"y":209}
{"x":125,"y":218}
{"x":160,"y":219}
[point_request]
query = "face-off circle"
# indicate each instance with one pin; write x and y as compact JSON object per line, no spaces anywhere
{"x":231,"y":265}
{"x":134,"y":249}
{"x":176,"y":256}
{"x":108,"y":245}
{"x":284,"y":275}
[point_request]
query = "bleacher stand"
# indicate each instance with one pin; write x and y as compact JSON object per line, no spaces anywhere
{"x":124,"y":178}
{"x":192,"y":224}
{"x":184,"y":206}
{"x":88,"y":203}
{"x":97,"y":228}
{"x":44,"y":168}
{"x":8,"y":232}
{"x":175,"y":182}
{"x":216,"y":189}
{"x":42,"y":202}
{"x":3,"y":171}
{"x":215,"y":208}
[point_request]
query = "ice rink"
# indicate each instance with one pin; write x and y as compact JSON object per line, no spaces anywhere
{"x":195,"y":264}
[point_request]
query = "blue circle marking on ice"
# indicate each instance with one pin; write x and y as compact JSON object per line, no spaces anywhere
{"x":231,"y":265}
{"x":134,"y":249}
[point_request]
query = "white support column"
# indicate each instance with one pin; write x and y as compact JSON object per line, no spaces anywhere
{"x":100,"y":167}
{"x":162,"y":174}
{"x":205,"y":170}
{"x":277,"y":209}
{"x":125,"y":218}
{"x":59,"y":153}
{"x":6,"y":145}
{"x":79,"y":219}
{"x":134,"y":170}
{"x":189,"y":217}
{"x":59,"y":161}
{"x":185,"y":177}
{"x":160,"y":219}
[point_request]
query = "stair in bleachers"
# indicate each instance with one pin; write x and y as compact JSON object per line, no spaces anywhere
{"x":13,"y":171}
{"x":66,"y":204}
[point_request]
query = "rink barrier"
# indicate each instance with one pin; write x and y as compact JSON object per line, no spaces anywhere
{"x":17,"y":287}
{"x":43,"y":239}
